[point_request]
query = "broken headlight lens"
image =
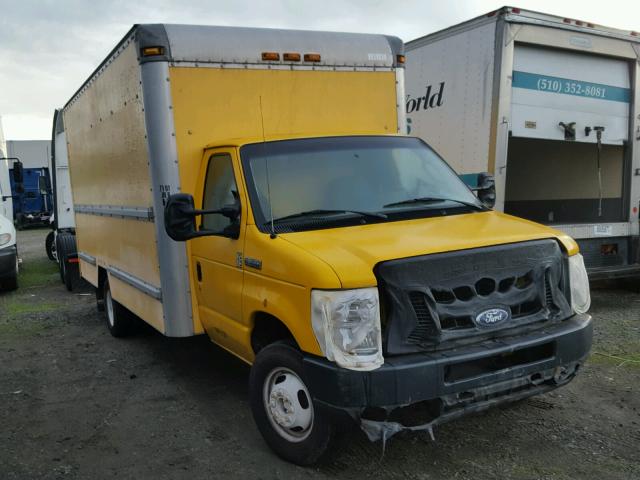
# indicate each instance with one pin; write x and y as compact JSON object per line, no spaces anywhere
{"x":579,"y":282}
{"x":5,"y":238}
{"x":347,"y":326}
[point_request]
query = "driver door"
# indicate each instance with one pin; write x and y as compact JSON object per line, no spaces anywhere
{"x":217,"y":259}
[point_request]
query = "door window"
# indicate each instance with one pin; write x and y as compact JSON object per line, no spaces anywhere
{"x":220,"y":190}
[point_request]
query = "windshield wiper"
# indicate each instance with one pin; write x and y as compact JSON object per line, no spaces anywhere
{"x":411,"y":201}
{"x":321,"y":212}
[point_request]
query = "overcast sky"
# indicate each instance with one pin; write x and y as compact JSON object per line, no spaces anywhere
{"x":49,"y":47}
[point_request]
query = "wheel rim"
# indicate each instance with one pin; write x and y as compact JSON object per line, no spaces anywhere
{"x":288,"y":404}
{"x":109,"y":306}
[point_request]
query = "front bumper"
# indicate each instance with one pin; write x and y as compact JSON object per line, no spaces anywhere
{"x":8,"y":257}
{"x":482,"y":374}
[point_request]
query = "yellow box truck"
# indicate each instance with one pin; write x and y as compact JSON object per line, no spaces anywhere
{"x":251,"y":184}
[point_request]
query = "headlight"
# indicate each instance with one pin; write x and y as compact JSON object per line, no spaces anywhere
{"x":347,"y":326}
{"x":580,"y":295}
{"x":5,"y":238}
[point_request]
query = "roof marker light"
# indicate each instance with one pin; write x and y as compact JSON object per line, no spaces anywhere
{"x":515,"y":10}
{"x":152,"y":51}
{"x":291,"y":57}
{"x":566,"y":20}
{"x":270,"y":56}
{"x":635,"y":34}
{"x":491,"y":14}
{"x":400,"y":59}
{"x":579,"y":23}
{"x":311,"y":57}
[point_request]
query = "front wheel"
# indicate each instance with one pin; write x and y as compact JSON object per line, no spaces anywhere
{"x":283,"y":409}
{"x":11,"y":283}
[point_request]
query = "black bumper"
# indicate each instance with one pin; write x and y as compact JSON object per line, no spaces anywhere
{"x":8,"y":261}
{"x":537,"y":361}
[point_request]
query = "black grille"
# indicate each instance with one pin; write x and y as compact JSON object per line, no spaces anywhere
{"x":425,"y":326}
{"x":433,"y":300}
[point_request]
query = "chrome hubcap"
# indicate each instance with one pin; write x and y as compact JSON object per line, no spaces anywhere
{"x":288,"y":404}
{"x":109,"y":306}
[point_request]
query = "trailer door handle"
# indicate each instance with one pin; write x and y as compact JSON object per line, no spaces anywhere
{"x":199,"y":271}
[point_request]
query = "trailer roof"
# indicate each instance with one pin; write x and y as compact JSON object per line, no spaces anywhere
{"x":242,"y":46}
{"x":518,"y":15}
{"x":213,"y":44}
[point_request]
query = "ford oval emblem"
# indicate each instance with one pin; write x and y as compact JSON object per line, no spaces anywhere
{"x":492,"y":317}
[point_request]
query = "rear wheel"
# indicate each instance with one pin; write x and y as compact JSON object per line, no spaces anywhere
{"x":119,"y":320}
{"x":50,"y":245}
{"x":65,"y":246}
{"x":283,"y":409}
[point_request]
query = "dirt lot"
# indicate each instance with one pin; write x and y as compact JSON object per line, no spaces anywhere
{"x":77,"y":403}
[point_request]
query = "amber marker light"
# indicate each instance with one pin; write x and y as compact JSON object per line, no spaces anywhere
{"x":291,"y":57}
{"x":152,"y":51}
{"x":270,"y":56}
{"x":311,"y":57}
{"x":400,"y":59}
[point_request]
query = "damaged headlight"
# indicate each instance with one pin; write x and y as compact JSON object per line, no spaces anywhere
{"x":5,"y":238}
{"x":580,"y":295}
{"x":347,"y":326}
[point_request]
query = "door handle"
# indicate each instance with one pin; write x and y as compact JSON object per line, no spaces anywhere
{"x":199,"y":271}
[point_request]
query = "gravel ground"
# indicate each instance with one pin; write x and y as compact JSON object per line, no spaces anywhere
{"x":77,"y":403}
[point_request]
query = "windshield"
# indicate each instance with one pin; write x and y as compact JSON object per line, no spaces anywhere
{"x":365,"y":178}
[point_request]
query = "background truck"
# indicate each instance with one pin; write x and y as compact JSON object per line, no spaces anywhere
{"x":60,"y":243}
{"x":251,"y":184}
{"x":32,"y":204}
{"x":8,"y":246}
{"x":550,"y":106}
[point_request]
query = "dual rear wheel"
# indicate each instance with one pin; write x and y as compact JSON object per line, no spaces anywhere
{"x":120,"y":321}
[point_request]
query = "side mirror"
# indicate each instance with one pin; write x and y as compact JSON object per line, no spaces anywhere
{"x":18,"y":172}
{"x":180,"y":218}
{"x":486,"y":189}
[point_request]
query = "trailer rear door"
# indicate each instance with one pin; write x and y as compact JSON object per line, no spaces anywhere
{"x":553,"y":174}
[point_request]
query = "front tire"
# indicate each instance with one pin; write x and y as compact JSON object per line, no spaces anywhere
{"x":11,"y":283}
{"x":290,"y":422}
{"x":119,"y":320}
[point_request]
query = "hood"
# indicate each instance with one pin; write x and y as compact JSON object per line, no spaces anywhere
{"x":353,"y":252}
{"x":7,"y":227}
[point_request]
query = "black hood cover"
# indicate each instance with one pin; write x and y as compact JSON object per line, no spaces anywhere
{"x":438,"y":301}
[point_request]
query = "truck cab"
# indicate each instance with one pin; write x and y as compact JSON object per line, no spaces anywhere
{"x":8,"y":247}
{"x":359,"y":275}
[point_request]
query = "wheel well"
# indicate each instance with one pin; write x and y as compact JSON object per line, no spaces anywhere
{"x":268,"y":329}
{"x":102,"y":278}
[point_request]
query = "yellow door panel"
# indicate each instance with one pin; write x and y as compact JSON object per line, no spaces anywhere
{"x":216,"y":260}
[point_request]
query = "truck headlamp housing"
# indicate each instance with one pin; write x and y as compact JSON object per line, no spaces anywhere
{"x":347,"y":326}
{"x":579,"y":282}
{"x":4,"y":238}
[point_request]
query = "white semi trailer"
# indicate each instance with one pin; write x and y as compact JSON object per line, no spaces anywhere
{"x":549,"y":105}
{"x":60,"y":243}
